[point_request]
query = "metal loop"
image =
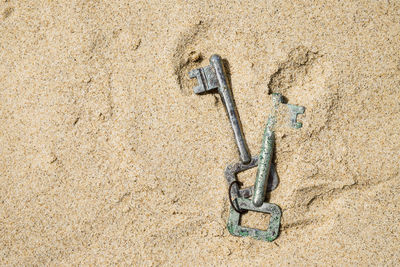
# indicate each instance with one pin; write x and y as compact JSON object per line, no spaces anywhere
{"x":239,"y":210}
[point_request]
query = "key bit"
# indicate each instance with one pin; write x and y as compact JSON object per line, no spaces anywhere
{"x":214,"y":77}
{"x":293,"y":112}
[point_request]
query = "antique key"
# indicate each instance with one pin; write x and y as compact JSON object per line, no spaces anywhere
{"x":214,"y":77}
{"x":252,"y":198}
{"x":243,"y":201}
{"x":268,"y":143}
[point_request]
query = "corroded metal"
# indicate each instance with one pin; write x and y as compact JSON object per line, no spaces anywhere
{"x":293,"y":112}
{"x":270,"y":234}
{"x":267,"y":147}
{"x":251,"y":198}
{"x":232,"y":170}
{"x":265,"y":169}
{"x":214,"y":77}
{"x":265,"y":157}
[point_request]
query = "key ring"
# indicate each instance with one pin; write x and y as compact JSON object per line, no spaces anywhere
{"x":239,"y":210}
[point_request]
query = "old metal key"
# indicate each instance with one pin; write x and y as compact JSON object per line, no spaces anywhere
{"x":257,"y":204}
{"x":213,"y":77}
{"x":268,"y":143}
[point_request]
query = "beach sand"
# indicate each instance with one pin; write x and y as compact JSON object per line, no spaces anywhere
{"x":108,"y":157}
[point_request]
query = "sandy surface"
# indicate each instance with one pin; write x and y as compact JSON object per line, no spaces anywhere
{"x":107,"y":156}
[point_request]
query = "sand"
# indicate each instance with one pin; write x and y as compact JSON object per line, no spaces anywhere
{"x":108,"y":157}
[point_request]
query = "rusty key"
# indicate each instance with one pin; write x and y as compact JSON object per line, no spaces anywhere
{"x":214,"y":77}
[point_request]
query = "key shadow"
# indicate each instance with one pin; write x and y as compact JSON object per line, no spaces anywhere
{"x":273,"y":182}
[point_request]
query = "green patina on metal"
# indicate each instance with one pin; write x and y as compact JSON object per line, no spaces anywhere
{"x":264,"y":165}
{"x":293,"y":112}
{"x":265,"y":157}
{"x":270,"y":234}
{"x":268,"y":143}
{"x":213,"y":77}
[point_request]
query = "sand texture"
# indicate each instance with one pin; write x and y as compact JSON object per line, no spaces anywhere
{"x":108,"y":157}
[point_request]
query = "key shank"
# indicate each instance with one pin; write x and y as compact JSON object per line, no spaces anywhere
{"x":227,"y":98}
{"x":214,"y":77}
